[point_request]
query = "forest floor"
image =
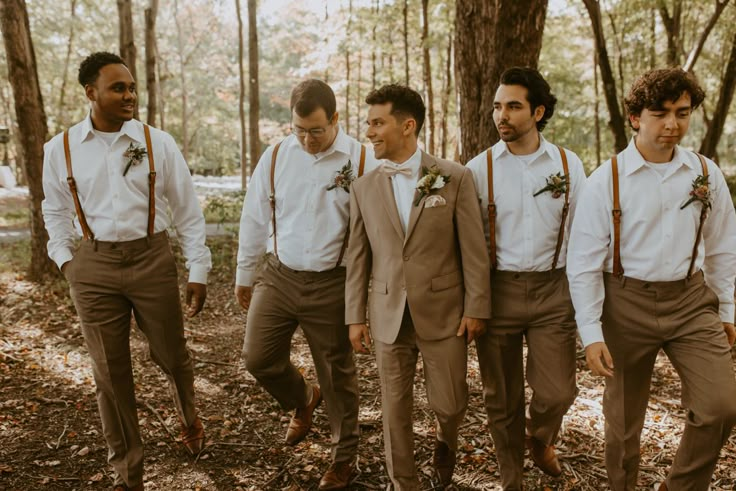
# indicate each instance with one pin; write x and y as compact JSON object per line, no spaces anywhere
{"x":52,"y":438}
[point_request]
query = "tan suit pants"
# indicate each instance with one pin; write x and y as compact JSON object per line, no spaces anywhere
{"x":535,"y":305}
{"x":680,"y":317}
{"x":282,"y":300}
{"x":445,"y":367}
{"x":109,"y":281}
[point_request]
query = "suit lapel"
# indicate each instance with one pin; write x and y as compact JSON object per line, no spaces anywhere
{"x":416,"y":211}
{"x":386,"y":189}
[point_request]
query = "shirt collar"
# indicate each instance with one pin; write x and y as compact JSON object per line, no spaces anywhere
{"x":501,"y":149}
{"x":633,"y":160}
{"x":413,"y":163}
{"x":132,"y":128}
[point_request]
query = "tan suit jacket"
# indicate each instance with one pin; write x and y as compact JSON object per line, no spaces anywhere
{"x":440,"y":267}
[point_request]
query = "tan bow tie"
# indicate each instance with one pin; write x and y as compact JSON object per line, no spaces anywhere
{"x":392,"y":170}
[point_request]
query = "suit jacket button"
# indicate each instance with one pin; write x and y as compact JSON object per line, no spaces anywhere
{"x":406,"y":258}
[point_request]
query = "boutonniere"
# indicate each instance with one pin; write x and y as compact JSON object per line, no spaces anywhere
{"x":556,"y":184}
{"x":432,"y":180}
{"x":342,"y":178}
{"x":134,"y":153}
{"x":700,"y":192}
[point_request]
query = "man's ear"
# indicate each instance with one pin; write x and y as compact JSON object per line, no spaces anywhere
{"x":539,"y":113}
{"x":409,"y":125}
{"x":335,"y":118}
{"x":634,"y":120}
{"x":91,"y":92}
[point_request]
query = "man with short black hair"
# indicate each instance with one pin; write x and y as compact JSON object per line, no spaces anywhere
{"x":529,"y":188}
{"x":416,"y":237}
{"x":121,"y":177}
{"x":651,"y":263}
{"x":296,"y":211}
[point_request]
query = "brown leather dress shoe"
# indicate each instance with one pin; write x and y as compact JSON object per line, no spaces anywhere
{"x":193,"y":437}
{"x":544,"y":456}
{"x":337,"y":476}
{"x":444,"y":462}
{"x":123,"y":487}
{"x":302,"y":419}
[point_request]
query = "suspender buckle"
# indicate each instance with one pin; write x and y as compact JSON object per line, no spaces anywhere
{"x":492,"y":209}
{"x":616,"y":212}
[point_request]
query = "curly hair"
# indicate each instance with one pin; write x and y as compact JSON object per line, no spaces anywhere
{"x":311,"y":94}
{"x":655,"y":87}
{"x":405,"y":102}
{"x":539,"y":92}
{"x":90,"y":67}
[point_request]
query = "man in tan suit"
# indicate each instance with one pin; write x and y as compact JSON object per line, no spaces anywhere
{"x":416,"y":234}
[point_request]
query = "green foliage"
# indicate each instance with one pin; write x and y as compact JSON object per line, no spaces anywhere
{"x":224,"y":208}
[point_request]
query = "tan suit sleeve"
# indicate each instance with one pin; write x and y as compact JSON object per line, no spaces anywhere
{"x":359,"y":261}
{"x":473,"y":250}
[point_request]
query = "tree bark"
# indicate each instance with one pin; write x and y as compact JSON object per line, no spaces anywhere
{"x":241,"y":101}
{"x":151,"y":84}
{"x":183,"y":77}
{"x":616,"y":120}
{"x":21,"y":60}
{"x":483,"y":51}
{"x":725,"y":97}
{"x":406,"y":41}
{"x":347,"y":66}
{"x":358,"y":103}
{"x":373,"y":47}
{"x":254,"y":94}
{"x":698,"y":48}
{"x":429,"y":129}
{"x":445,"y":102}
{"x":127,"y":40}
{"x":597,"y":112}
{"x":60,"y":119}
{"x":673,"y":27}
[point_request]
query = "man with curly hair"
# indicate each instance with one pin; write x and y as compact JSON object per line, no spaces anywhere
{"x":651,"y":264}
{"x":122,"y":178}
{"x":529,"y":188}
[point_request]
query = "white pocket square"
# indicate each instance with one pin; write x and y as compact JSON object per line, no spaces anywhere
{"x":434,"y":200}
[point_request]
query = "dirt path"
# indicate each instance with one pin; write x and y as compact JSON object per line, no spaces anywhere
{"x":51,"y":435}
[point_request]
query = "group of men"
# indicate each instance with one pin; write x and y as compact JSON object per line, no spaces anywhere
{"x":398,"y":250}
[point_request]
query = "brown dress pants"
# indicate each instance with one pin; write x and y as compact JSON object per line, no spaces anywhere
{"x":109,"y":280}
{"x":680,"y":317}
{"x":282,"y":300}
{"x":445,"y":368}
{"x":535,"y":305}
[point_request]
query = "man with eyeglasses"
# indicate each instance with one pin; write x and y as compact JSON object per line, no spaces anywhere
{"x":297,"y":212}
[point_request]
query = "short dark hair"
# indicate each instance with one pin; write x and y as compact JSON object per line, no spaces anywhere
{"x":90,"y":67}
{"x":655,"y":87}
{"x":539,"y":92}
{"x":404,"y":102}
{"x":310,"y":95}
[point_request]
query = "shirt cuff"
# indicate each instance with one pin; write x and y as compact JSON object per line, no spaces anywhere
{"x":244,"y":277}
{"x":592,"y":333}
{"x":198,"y":274}
{"x":62,"y":257}
{"x":726,"y":311}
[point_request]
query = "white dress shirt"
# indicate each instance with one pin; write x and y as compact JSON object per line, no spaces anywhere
{"x":527,"y":226}
{"x":116,"y":206}
{"x":657,"y":237}
{"x":311,"y":221}
{"x":404,"y":186}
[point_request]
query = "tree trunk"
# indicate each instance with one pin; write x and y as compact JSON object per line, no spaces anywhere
{"x":490,"y":25}
{"x":151,"y":84}
{"x":373,"y":47}
{"x":358,"y":103}
{"x":127,"y":40}
{"x":60,"y":119}
{"x":347,"y":66}
{"x":406,"y":42}
{"x":616,"y":120}
{"x":241,"y":101}
{"x":698,"y":48}
{"x":183,"y":76}
{"x":254,"y":106}
{"x":161,"y":98}
{"x":446,"y":92}
{"x":21,"y":60}
{"x":429,"y":129}
{"x":725,"y":97}
{"x":597,"y":112}
{"x":672,"y":25}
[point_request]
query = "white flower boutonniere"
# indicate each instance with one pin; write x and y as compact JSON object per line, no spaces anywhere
{"x":343,"y":178}
{"x":432,"y":180}
{"x":134,"y":153}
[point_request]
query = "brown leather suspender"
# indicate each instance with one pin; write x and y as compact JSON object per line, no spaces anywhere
{"x":492,"y":210}
{"x":272,"y":200}
{"x":86,"y":231}
{"x":618,"y":269}
{"x":703,"y":214}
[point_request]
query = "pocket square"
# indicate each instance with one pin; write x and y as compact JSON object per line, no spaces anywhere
{"x":434,"y":201}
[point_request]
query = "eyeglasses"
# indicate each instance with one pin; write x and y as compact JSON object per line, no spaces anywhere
{"x":313,"y":132}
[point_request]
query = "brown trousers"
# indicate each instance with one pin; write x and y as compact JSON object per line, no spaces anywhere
{"x":109,"y":281}
{"x":535,"y":305}
{"x":282,"y":300}
{"x":445,"y":368}
{"x":680,"y":317}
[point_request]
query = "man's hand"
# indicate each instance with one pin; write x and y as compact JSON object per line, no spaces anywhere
{"x":471,"y":328}
{"x":196,"y":295}
{"x":243,"y":294}
{"x":599,"y":359}
{"x":730,"y":332}
{"x":360,"y":337}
